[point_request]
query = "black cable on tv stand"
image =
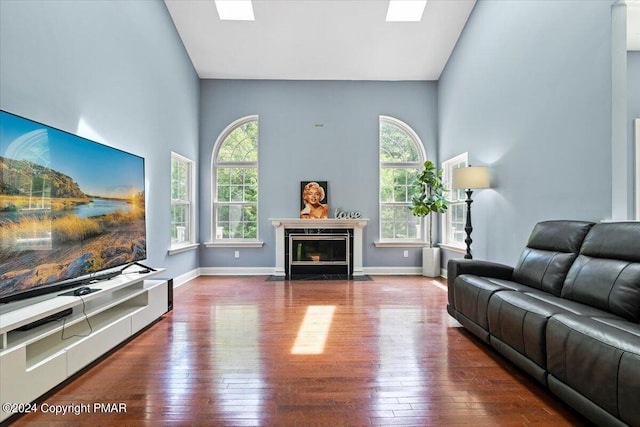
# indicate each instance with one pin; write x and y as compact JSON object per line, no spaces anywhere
{"x":93,"y":279}
{"x":104,"y":276}
{"x":146,"y":268}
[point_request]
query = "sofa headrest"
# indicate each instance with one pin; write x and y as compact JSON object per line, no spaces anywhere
{"x":552,"y":248}
{"x":606,"y":274}
{"x":614,"y":240}
{"x":559,"y":236}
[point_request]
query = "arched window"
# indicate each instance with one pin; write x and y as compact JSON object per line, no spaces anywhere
{"x":235,"y":182}
{"x":401,"y":157}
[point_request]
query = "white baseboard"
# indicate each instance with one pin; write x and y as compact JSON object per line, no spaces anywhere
{"x":236,"y":271}
{"x":184,"y":278}
{"x":268,"y":271}
{"x":393,"y":271}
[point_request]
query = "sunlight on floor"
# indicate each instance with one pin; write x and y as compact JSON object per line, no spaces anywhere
{"x":314,"y":329}
{"x":439,"y":285}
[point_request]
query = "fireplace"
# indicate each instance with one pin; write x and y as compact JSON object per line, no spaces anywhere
{"x":333,"y":246}
{"x":318,"y":252}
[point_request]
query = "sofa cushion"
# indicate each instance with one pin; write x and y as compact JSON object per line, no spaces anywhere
{"x":519,"y":319}
{"x":473,"y":293}
{"x":606,"y":274}
{"x":552,"y":248}
{"x":600,"y":359}
{"x":574,"y":307}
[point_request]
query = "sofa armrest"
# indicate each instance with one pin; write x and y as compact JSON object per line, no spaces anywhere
{"x":458,"y":266}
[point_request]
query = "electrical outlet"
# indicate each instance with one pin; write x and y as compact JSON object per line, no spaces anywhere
{"x":406,"y":254}
{"x":236,"y":254}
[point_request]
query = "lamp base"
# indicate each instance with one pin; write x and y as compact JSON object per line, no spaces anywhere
{"x":468,"y":228}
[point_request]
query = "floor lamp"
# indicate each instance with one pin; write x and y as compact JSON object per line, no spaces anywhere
{"x":469,"y":179}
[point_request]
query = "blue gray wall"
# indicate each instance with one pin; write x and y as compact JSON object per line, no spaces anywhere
{"x":343,"y":151}
{"x":117,"y":66}
{"x":527,"y":91}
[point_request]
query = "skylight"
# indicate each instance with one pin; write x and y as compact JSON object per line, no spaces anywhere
{"x":235,"y":10}
{"x":405,"y":10}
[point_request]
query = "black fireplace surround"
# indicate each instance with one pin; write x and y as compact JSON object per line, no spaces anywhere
{"x":568,"y":313}
{"x":318,"y":258}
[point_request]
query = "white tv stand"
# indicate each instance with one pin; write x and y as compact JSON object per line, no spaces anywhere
{"x":34,"y":361}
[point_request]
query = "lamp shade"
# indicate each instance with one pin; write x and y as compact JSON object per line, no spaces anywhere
{"x":471,"y":177}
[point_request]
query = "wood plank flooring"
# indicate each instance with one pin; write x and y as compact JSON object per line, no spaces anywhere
{"x":381,"y":352}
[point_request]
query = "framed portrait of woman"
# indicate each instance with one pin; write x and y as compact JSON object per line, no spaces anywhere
{"x":313,"y":200}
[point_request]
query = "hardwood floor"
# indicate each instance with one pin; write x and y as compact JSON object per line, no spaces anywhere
{"x":239,"y":351}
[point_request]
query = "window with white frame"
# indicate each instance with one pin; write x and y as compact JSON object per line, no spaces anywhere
{"x":235,"y":182}
{"x":453,"y":220}
{"x":402,"y":156}
{"x":182,"y":201}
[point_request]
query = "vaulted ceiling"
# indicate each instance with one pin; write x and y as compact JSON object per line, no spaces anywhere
{"x":319,"y":40}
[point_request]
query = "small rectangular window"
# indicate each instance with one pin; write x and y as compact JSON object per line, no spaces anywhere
{"x":182,"y":201}
{"x":454,"y":219}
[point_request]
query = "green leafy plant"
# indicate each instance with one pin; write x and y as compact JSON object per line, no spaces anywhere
{"x":429,"y":195}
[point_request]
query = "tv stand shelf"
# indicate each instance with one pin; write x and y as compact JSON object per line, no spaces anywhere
{"x":34,"y":361}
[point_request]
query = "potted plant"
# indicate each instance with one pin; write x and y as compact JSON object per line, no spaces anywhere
{"x":428,"y":200}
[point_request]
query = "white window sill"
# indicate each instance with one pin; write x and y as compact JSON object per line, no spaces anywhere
{"x":400,"y":244}
{"x":454,"y":248}
{"x":234,"y":244}
{"x":182,"y":248}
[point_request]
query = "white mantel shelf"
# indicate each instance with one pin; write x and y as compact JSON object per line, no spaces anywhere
{"x":281,"y":224}
{"x":319,"y":223}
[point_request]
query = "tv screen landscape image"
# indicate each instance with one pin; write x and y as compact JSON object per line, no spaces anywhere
{"x":69,"y":207}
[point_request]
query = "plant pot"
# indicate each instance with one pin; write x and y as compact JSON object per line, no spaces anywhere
{"x":431,"y":262}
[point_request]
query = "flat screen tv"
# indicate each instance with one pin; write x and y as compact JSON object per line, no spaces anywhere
{"x":69,"y":208}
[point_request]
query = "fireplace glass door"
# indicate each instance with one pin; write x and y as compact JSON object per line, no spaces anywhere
{"x":318,"y":250}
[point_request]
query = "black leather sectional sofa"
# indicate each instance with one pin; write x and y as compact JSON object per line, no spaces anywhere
{"x":568,"y":313}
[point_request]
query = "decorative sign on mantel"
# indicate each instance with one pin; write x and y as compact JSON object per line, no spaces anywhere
{"x":338,"y":214}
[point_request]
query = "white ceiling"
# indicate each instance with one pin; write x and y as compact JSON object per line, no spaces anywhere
{"x":319,"y":40}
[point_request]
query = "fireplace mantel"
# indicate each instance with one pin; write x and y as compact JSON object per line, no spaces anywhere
{"x":281,"y":224}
